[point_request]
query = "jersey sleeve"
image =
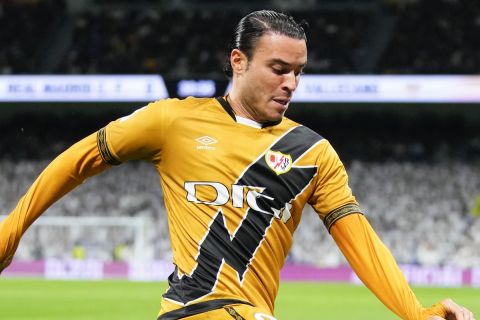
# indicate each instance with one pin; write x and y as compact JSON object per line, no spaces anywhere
{"x":376,"y":267}
{"x":332,"y":197}
{"x":63,"y":174}
{"x":369,"y":257}
{"x":138,"y":136}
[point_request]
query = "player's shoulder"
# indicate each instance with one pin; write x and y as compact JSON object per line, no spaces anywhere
{"x":172,"y":108}
{"x":301,"y":130}
{"x":190,"y":103}
{"x":320,"y":145}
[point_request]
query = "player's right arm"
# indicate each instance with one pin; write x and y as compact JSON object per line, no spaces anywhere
{"x":63,"y":174}
{"x":137,"y":136}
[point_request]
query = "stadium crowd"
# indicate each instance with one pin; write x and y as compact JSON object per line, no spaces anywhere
{"x":445,"y":42}
{"x":26,"y":27}
{"x":421,"y":210}
{"x":416,"y":195}
{"x":147,"y":37}
{"x":127,"y":191}
{"x":103,"y":43}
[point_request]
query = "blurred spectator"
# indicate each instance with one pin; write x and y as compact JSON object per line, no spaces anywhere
{"x":421,"y":211}
{"x":434,"y":37}
{"x":25,"y":28}
{"x":181,"y":41}
{"x":416,"y":181}
{"x":154,"y":42}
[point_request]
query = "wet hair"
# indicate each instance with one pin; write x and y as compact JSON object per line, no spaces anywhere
{"x":256,"y":24}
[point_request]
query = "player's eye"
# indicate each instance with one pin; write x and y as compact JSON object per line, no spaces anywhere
{"x":279,"y":71}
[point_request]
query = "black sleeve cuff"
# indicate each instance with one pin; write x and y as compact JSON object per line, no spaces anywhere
{"x":102,"y":145}
{"x":339,"y":213}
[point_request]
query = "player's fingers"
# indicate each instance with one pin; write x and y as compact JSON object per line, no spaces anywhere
{"x":468,"y":315}
{"x":435,"y":318}
{"x":460,"y":313}
{"x":454,"y":311}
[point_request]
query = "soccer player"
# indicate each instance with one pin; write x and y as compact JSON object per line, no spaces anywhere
{"x":236,"y":175}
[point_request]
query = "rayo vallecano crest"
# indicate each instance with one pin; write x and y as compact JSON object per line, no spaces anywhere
{"x":278,"y":162}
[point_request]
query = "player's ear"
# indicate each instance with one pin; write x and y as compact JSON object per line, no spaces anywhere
{"x":238,"y":61}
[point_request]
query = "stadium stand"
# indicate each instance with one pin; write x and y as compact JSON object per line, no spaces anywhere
{"x":44,"y":36}
{"x":446,"y":42}
{"x":26,"y":28}
{"x":104,"y":44}
{"x":418,"y":196}
{"x":414,"y":207}
{"x":421,"y":211}
{"x":416,"y":179}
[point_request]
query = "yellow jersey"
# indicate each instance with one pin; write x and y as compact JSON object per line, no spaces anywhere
{"x":234,"y":193}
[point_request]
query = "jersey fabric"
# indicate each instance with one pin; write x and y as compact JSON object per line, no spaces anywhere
{"x":234,"y":193}
{"x":218,"y":309}
{"x":234,"y":196}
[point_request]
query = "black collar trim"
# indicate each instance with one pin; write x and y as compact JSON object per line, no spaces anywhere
{"x":228,"y":108}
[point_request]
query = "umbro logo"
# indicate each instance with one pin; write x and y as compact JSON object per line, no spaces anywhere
{"x":205,"y":142}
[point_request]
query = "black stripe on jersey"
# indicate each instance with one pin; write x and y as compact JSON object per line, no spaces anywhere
{"x":339,"y":213}
{"x":200,"y":307}
{"x":228,"y":108}
{"x":279,"y":191}
{"x":103,"y":148}
{"x":238,"y":250}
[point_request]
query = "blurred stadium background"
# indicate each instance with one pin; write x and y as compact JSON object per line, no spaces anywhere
{"x":393,"y":84}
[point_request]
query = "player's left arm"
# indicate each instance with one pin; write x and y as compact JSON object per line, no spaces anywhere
{"x":376,"y":267}
{"x":374,"y":264}
{"x":378,"y":270}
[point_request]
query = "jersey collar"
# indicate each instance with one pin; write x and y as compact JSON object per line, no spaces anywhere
{"x":228,"y":108}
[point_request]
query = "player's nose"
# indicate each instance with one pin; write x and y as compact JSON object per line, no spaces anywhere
{"x":290,"y":82}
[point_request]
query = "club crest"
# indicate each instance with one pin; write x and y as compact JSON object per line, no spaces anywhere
{"x":278,"y":162}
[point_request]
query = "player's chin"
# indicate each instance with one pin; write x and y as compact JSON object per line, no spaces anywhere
{"x":276,"y":112}
{"x":273,"y":116}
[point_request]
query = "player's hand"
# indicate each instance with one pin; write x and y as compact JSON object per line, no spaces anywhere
{"x":454,"y":312}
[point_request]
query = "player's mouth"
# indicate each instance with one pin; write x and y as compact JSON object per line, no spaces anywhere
{"x":282,"y":101}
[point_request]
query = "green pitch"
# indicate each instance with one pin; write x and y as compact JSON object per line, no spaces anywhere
{"x":121,"y":300}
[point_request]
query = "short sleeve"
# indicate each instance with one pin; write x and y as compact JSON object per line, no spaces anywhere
{"x":138,"y":136}
{"x":332,"y":197}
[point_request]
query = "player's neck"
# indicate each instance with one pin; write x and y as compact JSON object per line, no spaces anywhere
{"x":239,"y":108}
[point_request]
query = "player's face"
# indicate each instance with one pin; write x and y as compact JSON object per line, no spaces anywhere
{"x":270,"y":77}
